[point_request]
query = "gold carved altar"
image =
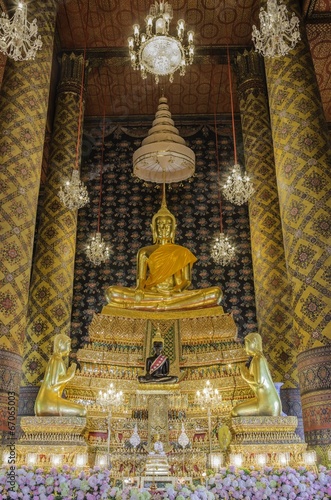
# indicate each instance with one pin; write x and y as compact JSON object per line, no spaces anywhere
{"x":201,"y":345}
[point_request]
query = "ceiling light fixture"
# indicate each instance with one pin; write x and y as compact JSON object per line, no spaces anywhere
{"x":279,"y":33}
{"x":163,"y":155}
{"x":156,"y":51}
{"x":238,"y":188}
{"x":222,"y":251}
{"x":19,"y":38}
{"x":73,"y":194}
{"x":97,"y":251}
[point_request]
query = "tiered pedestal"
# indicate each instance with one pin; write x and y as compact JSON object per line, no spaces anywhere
{"x":266,"y":435}
{"x":157,"y":465}
{"x":51,"y":441}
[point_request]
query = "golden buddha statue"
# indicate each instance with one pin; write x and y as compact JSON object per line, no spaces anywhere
{"x":49,"y":400}
{"x":157,"y":365}
{"x":163,"y":274}
{"x":256,"y":373}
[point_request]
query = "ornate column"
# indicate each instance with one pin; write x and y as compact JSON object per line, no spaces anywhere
{"x":303,"y":169}
{"x":23,"y":113}
{"x":272,"y":289}
{"x":52,"y":278}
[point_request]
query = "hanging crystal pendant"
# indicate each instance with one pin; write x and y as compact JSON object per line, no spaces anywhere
{"x":135,"y":438}
{"x":97,"y":251}
{"x":73,"y":194}
{"x":183,"y":439}
{"x":279,"y":33}
{"x":238,"y":188}
{"x":222,"y":251}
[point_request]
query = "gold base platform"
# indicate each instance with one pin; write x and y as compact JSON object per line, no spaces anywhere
{"x":109,"y":310}
{"x":50,"y":441}
{"x":273,"y":437}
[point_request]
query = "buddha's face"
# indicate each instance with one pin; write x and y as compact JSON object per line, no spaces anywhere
{"x":253,"y":343}
{"x":164,"y":227}
{"x":158,"y":346}
{"x":62,"y":345}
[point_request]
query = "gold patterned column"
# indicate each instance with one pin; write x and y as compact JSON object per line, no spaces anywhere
{"x":272,"y":289}
{"x":303,"y":169}
{"x":23,"y":113}
{"x":52,"y":278}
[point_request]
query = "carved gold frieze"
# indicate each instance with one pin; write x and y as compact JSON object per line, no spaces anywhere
{"x":117,"y":329}
{"x":208,"y":328}
{"x":264,"y":424}
{"x":110,"y":357}
{"x":54,"y":425}
{"x":212,"y":356}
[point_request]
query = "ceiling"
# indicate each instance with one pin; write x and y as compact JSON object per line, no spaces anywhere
{"x":100,"y":29}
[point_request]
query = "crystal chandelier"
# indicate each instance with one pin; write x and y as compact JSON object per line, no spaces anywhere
{"x":222,"y":251}
{"x":238,"y":188}
{"x":97,"y":251}
{"x":208,"y":398}
{"x":279,"y":32}
{"x":19,"y":38}
{"x":156,"y":51}
{"x":73,"y":194}
{"x":108,"y":400}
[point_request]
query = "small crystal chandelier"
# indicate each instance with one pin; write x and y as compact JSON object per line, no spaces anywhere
{"x":73,"y":194}
{"x":19,"y":38}
{"x":156,"y":51}
{"x":222,"y":251}
{"x":97,"y":251}
{"x":238,"y":188}
{"x":208,"y":398}
{"x":279,"y":32}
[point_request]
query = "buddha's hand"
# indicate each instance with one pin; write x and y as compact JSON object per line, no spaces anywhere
{"x":72,"y":369}
{"x":244,"y":371}
{"x":138,"y":295}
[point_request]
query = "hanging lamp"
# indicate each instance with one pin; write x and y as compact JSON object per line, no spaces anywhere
{"x":238,"y":187}
{"x":73,"y":193}
{"x":279,"y":33}
{"x":97,"y":250}
{"x":222,"y":251}
{"x":163,"y":155}
{"x":19,"y":39}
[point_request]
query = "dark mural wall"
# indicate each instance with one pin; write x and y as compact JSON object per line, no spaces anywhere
{"x":128,"y":205}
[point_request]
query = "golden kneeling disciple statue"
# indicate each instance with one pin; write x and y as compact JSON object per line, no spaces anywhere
{"x":266,"y":401}
{"x":49,"y":401}
{"x":163,"y":274}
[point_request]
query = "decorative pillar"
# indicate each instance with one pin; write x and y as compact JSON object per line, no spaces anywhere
{"x":303,"y":169}
{"x":23,"y":113}
{"x":52,"y":278}
{"x":272,"y":289}
{"x":315,"y":382}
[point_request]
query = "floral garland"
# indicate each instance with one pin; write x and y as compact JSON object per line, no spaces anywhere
{"x":68,"y":483}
